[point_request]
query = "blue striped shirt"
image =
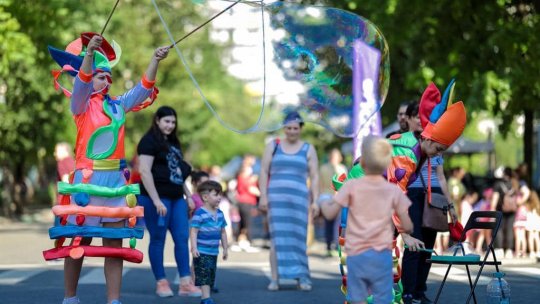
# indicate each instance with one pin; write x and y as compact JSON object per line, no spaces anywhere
{"x":210,"y":227}
{"x":435,"y":162}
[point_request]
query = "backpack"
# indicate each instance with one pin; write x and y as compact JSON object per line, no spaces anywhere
{"x":509,"y":199}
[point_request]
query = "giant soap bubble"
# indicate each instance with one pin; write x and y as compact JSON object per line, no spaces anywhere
{"x":274,"y":58}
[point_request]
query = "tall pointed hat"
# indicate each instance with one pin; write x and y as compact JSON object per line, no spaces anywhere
{"x":442,"y":120}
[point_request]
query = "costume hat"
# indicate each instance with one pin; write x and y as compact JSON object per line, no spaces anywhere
{"x":442,"y":121}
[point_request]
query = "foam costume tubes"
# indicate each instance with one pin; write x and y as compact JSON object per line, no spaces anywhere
{"x":98,"y":190}
{"x":443,"y":122}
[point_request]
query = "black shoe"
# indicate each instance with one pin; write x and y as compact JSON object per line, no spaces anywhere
{"x":424,"y":300}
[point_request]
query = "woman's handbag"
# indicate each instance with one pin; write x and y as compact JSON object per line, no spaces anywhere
{"x":435,"y":214}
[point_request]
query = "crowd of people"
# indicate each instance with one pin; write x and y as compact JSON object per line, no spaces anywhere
{"x":289,"y":191}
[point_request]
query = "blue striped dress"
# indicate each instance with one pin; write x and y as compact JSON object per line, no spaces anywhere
{"x":288,"y":212}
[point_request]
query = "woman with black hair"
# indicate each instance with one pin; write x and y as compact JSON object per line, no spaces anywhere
{"x":163,"y":171}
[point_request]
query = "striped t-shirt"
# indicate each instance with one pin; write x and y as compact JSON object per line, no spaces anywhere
{"x":210,"y":226}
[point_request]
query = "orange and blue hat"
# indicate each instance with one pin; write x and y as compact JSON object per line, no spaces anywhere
{"x":442,"y":120}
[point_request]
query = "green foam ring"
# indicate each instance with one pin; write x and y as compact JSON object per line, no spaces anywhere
{"x":132,"y":243}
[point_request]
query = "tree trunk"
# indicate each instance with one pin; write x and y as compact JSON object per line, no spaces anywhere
{"x":528,"y":143}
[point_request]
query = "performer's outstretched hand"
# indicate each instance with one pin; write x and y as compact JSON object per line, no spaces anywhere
{"x":161,"y":53}
{"x":94,"y":44}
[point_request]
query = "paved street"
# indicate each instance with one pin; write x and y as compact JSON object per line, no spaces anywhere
{"x":25,"y":278}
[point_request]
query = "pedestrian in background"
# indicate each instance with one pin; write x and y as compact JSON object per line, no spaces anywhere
{"x":207,"y":231}
{"x":163,"y":196}
{"x":285,"y":168}
{"x":334,"y":166}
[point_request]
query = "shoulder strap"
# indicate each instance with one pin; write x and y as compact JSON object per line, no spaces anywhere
{"x":276,"y":141}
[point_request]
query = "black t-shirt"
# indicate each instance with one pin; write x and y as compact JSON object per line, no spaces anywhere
{"x":502,"y":187}
{"x":168,"y":169}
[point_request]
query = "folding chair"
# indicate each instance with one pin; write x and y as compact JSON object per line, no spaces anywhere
{"x":478,"y":220}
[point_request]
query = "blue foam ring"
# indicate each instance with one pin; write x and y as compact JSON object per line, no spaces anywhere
{"x":89,"y":231}
{"x":82,"y":199}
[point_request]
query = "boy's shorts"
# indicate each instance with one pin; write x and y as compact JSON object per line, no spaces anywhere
{"x":371,"y":270}
{"x":113,"y":179}
{"x":205,"y":269}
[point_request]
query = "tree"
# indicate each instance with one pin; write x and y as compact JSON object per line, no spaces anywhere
{"x":491,"y":48}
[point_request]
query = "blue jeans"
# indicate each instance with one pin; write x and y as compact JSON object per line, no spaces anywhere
{"x":177,"y":222}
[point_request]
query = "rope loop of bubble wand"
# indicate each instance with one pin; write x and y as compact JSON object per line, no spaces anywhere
{"x":205,"y":23}
{"x":251,"y":129}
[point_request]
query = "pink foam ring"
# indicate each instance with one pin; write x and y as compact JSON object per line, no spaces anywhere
{"x":76,"y":253}
{"x":80,"y":219}
{"x":132,"y":221}
{"x":131,"y":200}
{"x":109,"y":212}
{"x":127,"y":254}
{"x":76,"y":241}
{"x":87,"y":175}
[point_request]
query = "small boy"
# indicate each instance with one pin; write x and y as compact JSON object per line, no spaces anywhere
{"x":371,"y":201}
{"x":207,"y":229}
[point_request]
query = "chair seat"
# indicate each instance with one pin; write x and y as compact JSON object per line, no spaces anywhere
{"x":459,"y":260}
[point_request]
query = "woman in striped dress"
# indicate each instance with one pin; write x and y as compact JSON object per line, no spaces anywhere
{"x":285,"y":168}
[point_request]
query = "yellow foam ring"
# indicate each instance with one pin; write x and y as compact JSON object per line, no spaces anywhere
{"x":76,"y":253}
{"x":344,"y":290}
{"x":131,"y":200}
{"x":132,"y":243}
{"x":343,"y":260}
{"x":396,"y":261}
{"x":116,"y":212}
{"x":106,"y":164}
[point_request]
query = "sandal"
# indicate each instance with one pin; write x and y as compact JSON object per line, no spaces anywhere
{"x":273,"y":286}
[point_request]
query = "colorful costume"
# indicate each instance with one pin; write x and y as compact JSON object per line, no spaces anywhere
{"x":443,"y":122}
{"x":98,"y":191}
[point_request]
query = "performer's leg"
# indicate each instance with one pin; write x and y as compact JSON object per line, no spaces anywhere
{"x":72,"y":272}
{"x":113,"y":266}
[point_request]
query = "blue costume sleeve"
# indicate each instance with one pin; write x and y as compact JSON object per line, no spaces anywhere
{"x":134,"y":97}
{"x":80,"y":96}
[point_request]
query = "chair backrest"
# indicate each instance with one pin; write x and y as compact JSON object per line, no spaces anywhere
{"x":483,"y":220}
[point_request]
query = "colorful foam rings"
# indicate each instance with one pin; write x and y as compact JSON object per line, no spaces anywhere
{"x":341,"y":241}
{"x":65,"y":200}
{"x":131,"y":200}
{"x":76,"y":253}
{"x":81,"y":199}
{"x":76,"y":241}
{"x":343,"y":260}
{"x":127,"y":174}
{"x":80,"y":219}
{"x":344,"y":281}
{"x":59,"y":242}
{"x":132,"y":243}
{"x":132,"y":221}
{"x":63,"y":220}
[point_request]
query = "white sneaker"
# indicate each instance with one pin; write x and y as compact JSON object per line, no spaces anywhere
{"x":236,"y":248}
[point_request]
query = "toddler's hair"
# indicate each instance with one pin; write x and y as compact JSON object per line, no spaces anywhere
{"x":209,"y":186}
{"x":376,"y":154}
{"x":197,"y":176}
